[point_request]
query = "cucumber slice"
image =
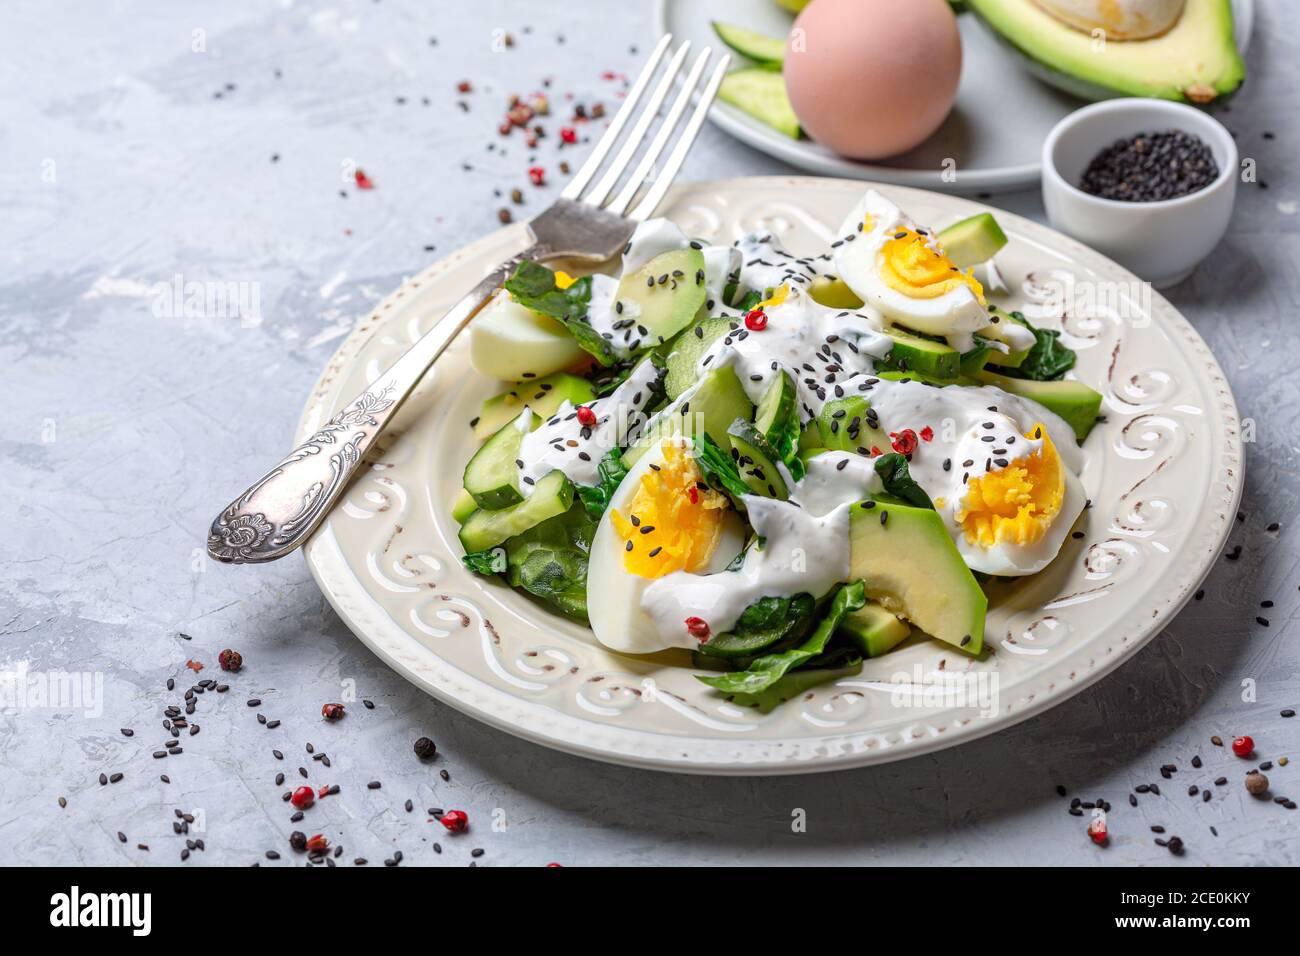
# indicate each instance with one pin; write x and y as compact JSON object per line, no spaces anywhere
{"x":972,"y":241}
{"x":688,"y":348}
{"x":761,"y":94}
{"x":486,"y":529}
{"x":717,"y":401}
{"x":843,"y":425}
{"x":491,"y":476}
{"x":914,"y":353}
{"x":973,"y":362}
{"x":542,"y":395}
{"x":463,"y":506}
{"x":664,"y":295}
{"x":756,"y":460}
{"x":777,"y":415}
{"x":767,"y":52}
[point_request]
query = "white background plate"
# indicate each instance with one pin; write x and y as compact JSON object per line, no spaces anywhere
{"x":994,"y":133}
{"x":1163,"y":472}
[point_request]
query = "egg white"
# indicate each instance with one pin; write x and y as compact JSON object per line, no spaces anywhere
{"x":957,"y":312}
{"x":510,"y":342}
{"x":614,"y":594}
{"x":1015,"y":560}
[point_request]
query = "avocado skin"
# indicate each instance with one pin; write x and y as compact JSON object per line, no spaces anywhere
{"x":1063,"y":57}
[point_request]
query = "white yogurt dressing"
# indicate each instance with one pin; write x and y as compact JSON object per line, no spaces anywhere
{"x":616,"y":327}
{"x":564,"y":443}
{"x":651,"y":238}
{"x":802,"y":553}
{"x":820,"y":348}
{"x":721,"y":265}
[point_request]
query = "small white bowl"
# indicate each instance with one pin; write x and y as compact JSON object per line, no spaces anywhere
{"x":1160,"y":241}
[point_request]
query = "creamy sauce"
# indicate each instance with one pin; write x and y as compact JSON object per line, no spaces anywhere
{"x":802,"y":553}
{"x":562,"y":442}
{"x":765,"y":265}
{"x":833,"y":478}
{"x":616,"y":327}
{"x":721,"y":266}
{"x":820,"y":348}
{"x":651,"y":238}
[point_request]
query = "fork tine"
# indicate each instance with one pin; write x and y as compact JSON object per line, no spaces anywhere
{"x":606,"y":185}
{"x":606,"y":142}
{"x":675,"y":159}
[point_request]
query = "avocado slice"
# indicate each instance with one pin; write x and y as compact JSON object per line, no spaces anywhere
{"x":1195,"y":60}
{"x":911,"y":567}
{"x":1073,"y":401}
{"x":973,"y":240}
{"x":542,"y":395}
{"x":717,"y":401}
{"x":663,"y":296}
{"x":688,"y":348}
{"x":834,"y":293}
{"x":874,"y":630}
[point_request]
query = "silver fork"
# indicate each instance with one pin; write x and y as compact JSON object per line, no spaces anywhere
{"x":281,"y":510}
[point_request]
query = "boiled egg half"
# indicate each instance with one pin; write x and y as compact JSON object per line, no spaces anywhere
{"x":898,"y":267}
{"x":663,"y":518}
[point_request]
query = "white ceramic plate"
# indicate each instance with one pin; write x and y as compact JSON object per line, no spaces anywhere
{"x":1163,"y":472}
{"x":992,"y":139}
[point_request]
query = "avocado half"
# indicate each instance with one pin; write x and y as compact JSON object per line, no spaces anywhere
{"x":1194,"y":61}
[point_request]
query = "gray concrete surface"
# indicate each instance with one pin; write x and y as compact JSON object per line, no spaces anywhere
{"x":139,"y":142}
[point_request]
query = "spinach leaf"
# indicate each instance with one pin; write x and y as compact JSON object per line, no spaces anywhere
{"x":795,"y":684}
{"x":719,"y":469}
{"x":607,"y":378}
{"x":612,"y":471}
{"x":1048,"y":360}
{"x":766,"y":622}
{"x":533,"y":286}
{"x":549,"y":561}
{"x":898,"y":481}
{"x":770,"y":668}
{"x":750,"y":299}
{"x":491,"y":561}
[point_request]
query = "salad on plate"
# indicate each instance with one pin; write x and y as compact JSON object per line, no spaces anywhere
{"x":781,"y":463}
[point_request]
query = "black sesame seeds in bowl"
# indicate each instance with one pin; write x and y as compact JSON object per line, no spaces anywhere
{"x":1151,"y":167}
{"x":1149,"y":183}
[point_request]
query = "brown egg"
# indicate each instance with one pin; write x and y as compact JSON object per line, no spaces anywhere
{"x":873,"y":78}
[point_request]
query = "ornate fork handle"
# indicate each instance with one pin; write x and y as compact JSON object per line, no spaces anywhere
{"x":281,"y":510}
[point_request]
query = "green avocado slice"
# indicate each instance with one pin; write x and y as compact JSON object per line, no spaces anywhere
{"x":1195,"y":60}
{"x":911,"y":567}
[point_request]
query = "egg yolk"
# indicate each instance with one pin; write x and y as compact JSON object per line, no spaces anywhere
{"x":910,"y":264}
{"x":673,"y":521}
{"x":563,"y":280}
{"x":776,"y":298}
{"x":1018,"y":503}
